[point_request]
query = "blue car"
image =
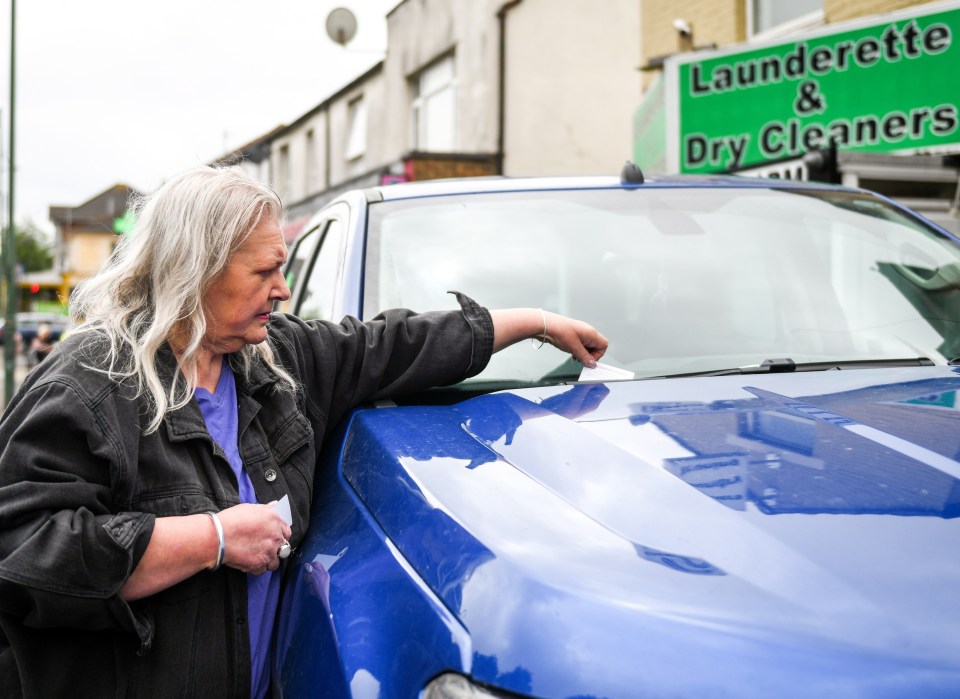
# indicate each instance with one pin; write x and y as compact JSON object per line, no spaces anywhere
{"x":760,"y":499}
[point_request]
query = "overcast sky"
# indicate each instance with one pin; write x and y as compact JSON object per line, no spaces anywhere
{"x":130,"y":91}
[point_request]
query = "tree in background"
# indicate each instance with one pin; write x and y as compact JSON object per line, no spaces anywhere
{"x":33,"y":248}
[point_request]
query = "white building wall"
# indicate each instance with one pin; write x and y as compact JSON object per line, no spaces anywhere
{"x":572,"y":85}
{"x":309,"y":170}
{"x":377,"y":152}
{"x":323,"y":131}
{"x":380,"y":149}
{"x":422,"y":31}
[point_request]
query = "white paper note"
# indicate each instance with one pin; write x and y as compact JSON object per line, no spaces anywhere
{"x":605,"y":372}
{"x":282,"y":506}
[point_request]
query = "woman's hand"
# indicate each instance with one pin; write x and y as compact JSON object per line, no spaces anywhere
{"x":253,"y":534}
{"x":183,"y":546}
{"x":580,"y":339}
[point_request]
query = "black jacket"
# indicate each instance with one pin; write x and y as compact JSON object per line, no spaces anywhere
{"x":81,"y":484}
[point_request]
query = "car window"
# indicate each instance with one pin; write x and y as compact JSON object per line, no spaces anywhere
{"x":297,"y":260}
{"x":319,"y":291}
{"x":679,"y":280}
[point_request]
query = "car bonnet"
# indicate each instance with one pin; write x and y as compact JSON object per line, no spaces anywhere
{"x":769,"y":529}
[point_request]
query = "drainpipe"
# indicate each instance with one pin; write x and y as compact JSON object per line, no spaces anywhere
{"x":502,"y":87}
{"x":326,"y":148}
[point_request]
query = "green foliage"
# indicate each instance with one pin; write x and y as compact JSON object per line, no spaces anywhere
{"x":33,"y":248}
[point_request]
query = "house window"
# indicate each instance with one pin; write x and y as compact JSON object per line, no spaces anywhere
{"x":310,"y":172}
{"x":283,"y":172}
{"x":771,"y":18}
{"x":357,"y":124}
{"x":434,"y":107}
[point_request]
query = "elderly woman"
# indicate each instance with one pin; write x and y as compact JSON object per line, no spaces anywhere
{"x":139,"y":544}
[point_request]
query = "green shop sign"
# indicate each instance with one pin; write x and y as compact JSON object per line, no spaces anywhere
{"x":890,"y":86}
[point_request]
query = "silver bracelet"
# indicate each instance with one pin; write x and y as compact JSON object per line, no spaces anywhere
{"x":544,"y":338}
{"x":223,"y":542}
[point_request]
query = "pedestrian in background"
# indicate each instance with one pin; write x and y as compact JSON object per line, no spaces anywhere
{"x":139,"y":544}
{"x":42,"y":343}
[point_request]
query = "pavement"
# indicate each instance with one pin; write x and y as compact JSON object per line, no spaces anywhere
{"x":20,"y":372}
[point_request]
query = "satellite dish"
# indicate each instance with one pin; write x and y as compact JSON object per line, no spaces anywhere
{"x":341,"y":25}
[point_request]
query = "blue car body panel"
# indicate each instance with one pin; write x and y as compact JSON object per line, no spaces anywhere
{"x":761,"y":535}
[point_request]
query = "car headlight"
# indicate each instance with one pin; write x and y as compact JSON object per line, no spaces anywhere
{"x":452,"y":686}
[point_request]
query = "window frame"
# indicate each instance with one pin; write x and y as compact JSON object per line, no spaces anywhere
{"x":357,"y":120}
{"x":283,"y":183}
{"x":316,"y":237}
{"x":419,"y":101}
{"x":306,"y":242}
{"x":311,"y":166}
{"x":807,"y":20}
{"x":334,"y":233}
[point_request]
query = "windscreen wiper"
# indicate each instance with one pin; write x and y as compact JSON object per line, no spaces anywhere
{"x":784,"y":365}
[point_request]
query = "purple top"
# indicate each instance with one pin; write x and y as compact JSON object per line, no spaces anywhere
{"x":263,"y":591}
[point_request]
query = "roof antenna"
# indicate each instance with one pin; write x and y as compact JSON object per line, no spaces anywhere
{"x":631,"y":174}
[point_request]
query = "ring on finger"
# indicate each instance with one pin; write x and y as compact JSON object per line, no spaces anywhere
{"x":284,"y":550}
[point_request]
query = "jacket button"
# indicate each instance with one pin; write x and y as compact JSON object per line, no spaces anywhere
{"x":270,"y":474}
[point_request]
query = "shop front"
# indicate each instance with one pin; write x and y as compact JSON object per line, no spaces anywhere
{"x":883,"y":86}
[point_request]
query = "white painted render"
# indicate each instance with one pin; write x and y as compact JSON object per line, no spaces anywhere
{"x":571,"y":85}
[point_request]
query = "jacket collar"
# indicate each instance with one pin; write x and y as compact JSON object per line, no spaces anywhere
{"x":259,"y":376}
{"x":187,"y":422}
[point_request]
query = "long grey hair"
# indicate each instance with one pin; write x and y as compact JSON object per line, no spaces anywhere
{"x":154,"y":284}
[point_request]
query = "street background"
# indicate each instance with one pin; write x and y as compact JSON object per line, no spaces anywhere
{"x":19,"y":374}
{"x":113,"y":98}
{"x":112,"y":91}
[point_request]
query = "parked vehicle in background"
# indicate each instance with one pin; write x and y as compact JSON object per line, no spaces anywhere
{"x":29,"y":322}
{"x":770,"y":506}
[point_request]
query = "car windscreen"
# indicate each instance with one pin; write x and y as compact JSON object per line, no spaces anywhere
{"x":678,"y":279}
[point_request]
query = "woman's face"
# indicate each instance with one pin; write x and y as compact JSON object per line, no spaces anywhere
{"x":239,"y":303}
